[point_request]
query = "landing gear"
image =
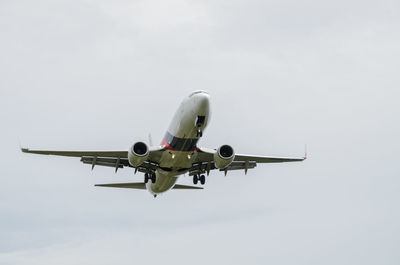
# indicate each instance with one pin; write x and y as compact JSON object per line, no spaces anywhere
{"x":197,"y":178}
{"x":153,"y":177}
{"x":150,"y":176}
{"x":202,"y":179}
{"x":200,"y":120}
{"x":199,"y":133}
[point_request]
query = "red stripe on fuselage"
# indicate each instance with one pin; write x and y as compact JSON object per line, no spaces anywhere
{"x":168,"y":147}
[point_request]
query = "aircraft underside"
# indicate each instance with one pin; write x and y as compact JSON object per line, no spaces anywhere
{"x":177,"y":154}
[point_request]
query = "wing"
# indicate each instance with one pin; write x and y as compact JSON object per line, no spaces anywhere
{"x":115,"y":159}
{"x":267,"y":159}
{"x":205,"y":162}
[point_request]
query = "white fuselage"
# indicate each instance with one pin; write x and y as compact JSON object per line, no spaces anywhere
{"x":180,"y":141}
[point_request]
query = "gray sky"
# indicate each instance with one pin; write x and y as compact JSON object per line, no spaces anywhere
{"x":91,"y":74}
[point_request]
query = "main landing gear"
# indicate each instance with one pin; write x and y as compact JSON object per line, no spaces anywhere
{"x":197,"y":178}
{"x":150,"y":176}
{"x":199,"y":133}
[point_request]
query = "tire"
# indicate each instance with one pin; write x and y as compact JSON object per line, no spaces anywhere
{"x":195,"y":179}
{"x":202,"y":179}
{"x":153,"y":178}
{"x":146,"y":178}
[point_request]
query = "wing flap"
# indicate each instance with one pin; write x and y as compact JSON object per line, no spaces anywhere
{"x":240,"y":166}
{"x":202,"y":168}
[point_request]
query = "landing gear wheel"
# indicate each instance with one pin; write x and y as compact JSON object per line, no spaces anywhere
{"x":202,"y":179}
{"x":153,"y":178}
{"x":199,"y":133}
{"x":195,"y":179}
{"x":146,"y":178}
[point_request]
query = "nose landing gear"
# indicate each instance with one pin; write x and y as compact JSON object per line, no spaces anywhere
{"x":200,"y":120}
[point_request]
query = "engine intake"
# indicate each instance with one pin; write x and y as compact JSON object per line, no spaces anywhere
{"x":224,"y":156}
{"x":138,"y":153}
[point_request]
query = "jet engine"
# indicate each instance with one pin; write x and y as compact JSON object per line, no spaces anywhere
{"x":224,"y":156}
{"x":138,"y":153}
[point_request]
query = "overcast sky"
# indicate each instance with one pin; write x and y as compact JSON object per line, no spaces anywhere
{"x":90,"y":74}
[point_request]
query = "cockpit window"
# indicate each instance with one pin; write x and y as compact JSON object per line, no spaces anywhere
{"x":198,"y":92}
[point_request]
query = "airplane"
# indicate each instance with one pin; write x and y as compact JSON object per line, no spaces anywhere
{"x":178,"y":153}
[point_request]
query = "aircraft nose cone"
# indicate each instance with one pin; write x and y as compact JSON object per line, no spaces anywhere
{"x":203,"y":102}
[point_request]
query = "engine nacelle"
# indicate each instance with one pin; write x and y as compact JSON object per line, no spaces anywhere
{"x":138,"y":153}
{"x":224,"y":156}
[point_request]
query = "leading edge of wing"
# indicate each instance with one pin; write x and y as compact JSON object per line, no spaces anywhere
{"x":267,"y":159}
{"x":77,"y":153}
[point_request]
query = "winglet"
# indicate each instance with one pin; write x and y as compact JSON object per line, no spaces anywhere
{"x":305,"y":152}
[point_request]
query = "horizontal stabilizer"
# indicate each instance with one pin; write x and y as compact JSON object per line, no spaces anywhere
{"x":137,"y":185}
{"x":142,"y":186}
{"x":184,"y":187}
